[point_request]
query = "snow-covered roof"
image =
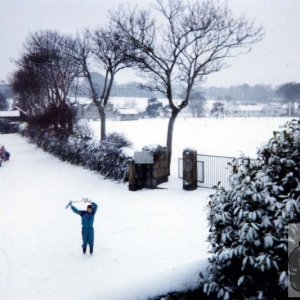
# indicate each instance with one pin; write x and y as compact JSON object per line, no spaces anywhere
{"x":127,"y":111}
{"x":250,"y":107}
{"x":9,"y":113}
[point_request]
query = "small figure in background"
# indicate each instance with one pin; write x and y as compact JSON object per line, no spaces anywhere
{"x":4,"y":154}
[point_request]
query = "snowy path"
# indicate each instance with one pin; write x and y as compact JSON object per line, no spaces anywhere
{"x":146,"y":243}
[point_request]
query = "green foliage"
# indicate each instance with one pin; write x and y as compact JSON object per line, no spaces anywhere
{"x":248,"y":223}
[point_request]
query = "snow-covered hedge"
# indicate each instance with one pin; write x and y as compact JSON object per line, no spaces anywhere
{"x":109,"y":158}
{"x":248,"y":224}
{"x":155,"y":150}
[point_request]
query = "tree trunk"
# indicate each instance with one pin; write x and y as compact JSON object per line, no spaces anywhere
{"x":70,"y":122}
{"x":106,"y":94}
{"x":170,"y":134}
{"x":103,"y":123}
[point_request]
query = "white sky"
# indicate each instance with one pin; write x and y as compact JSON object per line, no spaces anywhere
{"x":274,"y":60}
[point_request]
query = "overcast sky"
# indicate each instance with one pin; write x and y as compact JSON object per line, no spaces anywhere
{"x":274,"y":60}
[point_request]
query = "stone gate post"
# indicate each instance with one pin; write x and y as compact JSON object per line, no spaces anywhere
{"x":189,"y":169}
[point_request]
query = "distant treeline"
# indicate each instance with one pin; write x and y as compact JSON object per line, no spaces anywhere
{"x":245,"y":92}
{"x":131,"y":89}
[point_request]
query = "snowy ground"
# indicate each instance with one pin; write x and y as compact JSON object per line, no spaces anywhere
{"x":228,"y":136}
{"x":146,"y":243}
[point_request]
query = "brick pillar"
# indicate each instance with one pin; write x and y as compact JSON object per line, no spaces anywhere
{"x":189,"y":169}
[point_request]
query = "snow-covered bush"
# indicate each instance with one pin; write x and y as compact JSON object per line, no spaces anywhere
{"x":118,"y":140}
{"x":155,"y":150}
{"x":83,"y":131}
{"x":248,"y":223}
{"x":109,"y":158}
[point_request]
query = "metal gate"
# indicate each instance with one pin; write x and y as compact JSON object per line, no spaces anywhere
{"x":211,"y":169}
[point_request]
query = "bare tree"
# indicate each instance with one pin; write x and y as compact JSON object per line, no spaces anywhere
{"x":105,"y":48}
{"x":49,"y":50}
{"x":182,"y":42}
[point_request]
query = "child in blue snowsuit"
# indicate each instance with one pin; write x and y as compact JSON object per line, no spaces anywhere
{"x":87,"y":221}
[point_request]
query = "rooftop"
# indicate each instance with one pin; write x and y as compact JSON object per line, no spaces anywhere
{"x":127,"y":111}
{"x":9,"y":113}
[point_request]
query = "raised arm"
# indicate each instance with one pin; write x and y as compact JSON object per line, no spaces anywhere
{"x":95,"y":206}
{"x":76,"y":211}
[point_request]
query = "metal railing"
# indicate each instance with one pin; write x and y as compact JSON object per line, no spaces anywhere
{"x":212,"y":169}
{"x":200,"y":170}
{"x":215,"y":169}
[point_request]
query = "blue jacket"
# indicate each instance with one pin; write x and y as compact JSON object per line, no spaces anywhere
{"x":87,"y":220}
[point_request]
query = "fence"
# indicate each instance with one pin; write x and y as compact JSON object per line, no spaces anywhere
{"x":212,"y":169}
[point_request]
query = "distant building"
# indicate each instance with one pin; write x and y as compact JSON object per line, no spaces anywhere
{"x":90,"y":111}
{"x":10,"y":120}
{"x":246,"y":111}
{"x":276,"y":110}
{"x":258,"y":110}
{"x":10,"y":115}
{"x":126,"y":114}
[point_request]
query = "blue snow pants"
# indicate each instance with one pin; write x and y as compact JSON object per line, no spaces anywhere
{"x":87,"y":236}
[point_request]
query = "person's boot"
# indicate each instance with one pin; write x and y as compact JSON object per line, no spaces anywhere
{"x":91,"y":250}
{"x":84,"y":250}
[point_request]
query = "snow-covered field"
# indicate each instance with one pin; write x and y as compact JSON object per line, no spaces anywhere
{"x":146,"y":243}
{"x":227,"y":137}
